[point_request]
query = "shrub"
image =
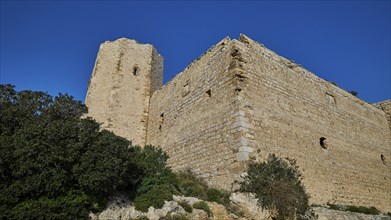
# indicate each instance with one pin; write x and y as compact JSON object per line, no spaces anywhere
{"x":54,"y":163}
{"x":176,"y":216}
{"x":190,"y":185}
{"x":154,"y":190}
{"x":157,"y":183}
{"x":277,"y":185}
{"x":214,"y":195}
{"x":186,"y":206}
{"x":361,"y":209}
{"x":203,"y":206}
{"x":353,"y":93}
{"x":143,"y":217}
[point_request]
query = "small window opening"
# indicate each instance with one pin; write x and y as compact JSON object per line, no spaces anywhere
{"x":331,"y":99}
{"x":238,"y":90}
{"x":383,"y":159}
{"x":161,"y":121}
{"x":209,"y":93}
{"x":323,"y":143}
{"x":186,"y":88}
{"x":135,"y":71}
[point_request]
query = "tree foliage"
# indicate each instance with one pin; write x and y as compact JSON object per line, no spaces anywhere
{"x":157,"y":183}
{"x":353,"y":93}
{"x":54,"y":163}
{"x":277,"y":185}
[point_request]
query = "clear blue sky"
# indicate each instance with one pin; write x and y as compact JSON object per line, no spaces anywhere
{"x":52,"y":45}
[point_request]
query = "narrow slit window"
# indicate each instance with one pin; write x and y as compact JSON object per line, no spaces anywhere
{"x":161,"y":121}
{"x":186,"y":88}
{"x":209,"y":93}
{"x":330,"y":99}
{"x":135,"y":71}
{"x":383,"y":159}
{"x":322,"y":142}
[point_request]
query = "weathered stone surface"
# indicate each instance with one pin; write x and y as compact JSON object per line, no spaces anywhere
{"x":291,"y":109}
{"x":239,"y":102}
{"x":125,"y":75}
{"x":119,"y":208}
{"x":329,"y":214}
{"x":248,"y":204}
{"x":386,"y":107}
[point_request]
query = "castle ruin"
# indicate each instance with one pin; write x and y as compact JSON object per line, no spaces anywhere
{"x":240,"y":102}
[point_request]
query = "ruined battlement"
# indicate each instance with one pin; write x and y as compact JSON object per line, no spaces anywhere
{"x":240,"y":102}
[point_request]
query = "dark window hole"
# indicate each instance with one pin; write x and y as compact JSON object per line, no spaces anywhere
{"x":323,"y":143}
{"x":383,"y":158}
{"x":209,"y":93}
{"x":161,"y":121}
{"x":135,"y":71}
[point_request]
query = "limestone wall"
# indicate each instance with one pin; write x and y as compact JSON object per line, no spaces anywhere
{"x":386,"y":107}
{"x":289,"y":110}
{"x":193,"y":115}
{"x":123,"y":79}
{"x":240,"y":102}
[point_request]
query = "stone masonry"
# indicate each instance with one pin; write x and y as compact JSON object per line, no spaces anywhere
{"x":240,"y":102}
{"x":125,"y":75}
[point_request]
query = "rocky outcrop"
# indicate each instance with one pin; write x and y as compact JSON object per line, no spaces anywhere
{"x":242,"y":207}
{"x":329,"y":214}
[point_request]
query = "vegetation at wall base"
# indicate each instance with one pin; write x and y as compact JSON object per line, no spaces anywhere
{"x":203,"y":206}
{"x":186,"y":206}
{"x":158,"y":183}
{"x":358,"y":209}
{"x":176,"y":216}
{"x":143,"y":217}
{"x":276,"y":183}
{"x":57,"y":164}
{"x":191,"y":185}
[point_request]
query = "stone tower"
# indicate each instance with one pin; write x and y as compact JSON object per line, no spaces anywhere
{"x":125,"y":75}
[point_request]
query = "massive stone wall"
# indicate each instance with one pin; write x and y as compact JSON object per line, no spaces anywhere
{"x":262,"y":103}
{"x":240,"y":102}
{"x":124,"y":77}
{"x":339,"y":141}
{"x":193,"y":115}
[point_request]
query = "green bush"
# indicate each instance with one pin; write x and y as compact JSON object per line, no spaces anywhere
{"x":57,"y":165}
{"x":277,"y":185}
{"x":154,"y":190}
{"x":214,"y":195}
{"x":155,"y":197}
{"x":203,"y":206}
{"x":176,"y":216}
{"x":190,"y":185}
{"x":186,"y":206}
{"x":218,"y":196}
{"x":361,"y":209}
{"x":54,"y":163}
{"x":70,"y":206}
{"x":143,"y":217}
